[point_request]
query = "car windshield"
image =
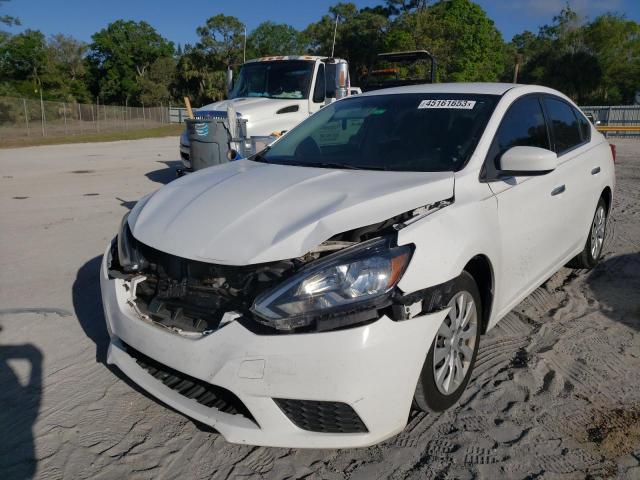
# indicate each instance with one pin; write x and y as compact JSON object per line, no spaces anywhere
{"x":278,"y":79}
{"x":399,"y":132}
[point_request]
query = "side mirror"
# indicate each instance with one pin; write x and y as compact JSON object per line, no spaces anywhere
{"x":523,"y":161}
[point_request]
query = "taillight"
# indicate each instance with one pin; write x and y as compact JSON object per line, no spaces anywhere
{"x":613,"y":152}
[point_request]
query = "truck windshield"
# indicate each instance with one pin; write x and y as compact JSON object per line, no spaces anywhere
{"x":277,"y":79}
{"x":399,"y":132}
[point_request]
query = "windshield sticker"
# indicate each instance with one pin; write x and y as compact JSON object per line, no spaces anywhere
{"x":461,"y":104}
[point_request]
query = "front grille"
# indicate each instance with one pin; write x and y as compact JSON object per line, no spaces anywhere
{"x":324,"y":417}
{"x":204,"y":393}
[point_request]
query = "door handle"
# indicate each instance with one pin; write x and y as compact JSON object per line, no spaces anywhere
{"x":595,"y":170}
{"x":558,"y":190}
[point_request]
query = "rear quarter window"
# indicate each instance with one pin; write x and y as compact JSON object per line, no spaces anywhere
{"x":585,"y":125}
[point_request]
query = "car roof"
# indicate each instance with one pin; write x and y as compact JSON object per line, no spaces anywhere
{"x":479,"y":88}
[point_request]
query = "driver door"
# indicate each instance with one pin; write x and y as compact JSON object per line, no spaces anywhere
{"x":530,"y":208}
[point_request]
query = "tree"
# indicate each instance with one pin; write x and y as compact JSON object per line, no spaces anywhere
{"x":615,"y":41}
{"x":8,"y":19}
{"x":465,"y":41}
{"x":270,"y":38}
{"x":396,"y":7}
{"x":23,"y":57}
{"x":29,"y":63}
{"x":605,"y":52}
{"x":65,"y":73}
{"x":200,"y":72}
{"x":156,"y":86}
{"x":222,"y":40}
{"x":360,"y":36}
{"x":196,"y":79}
{"x":120,"y":56}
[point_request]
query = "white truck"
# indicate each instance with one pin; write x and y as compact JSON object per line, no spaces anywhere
{"x":276,"y":93}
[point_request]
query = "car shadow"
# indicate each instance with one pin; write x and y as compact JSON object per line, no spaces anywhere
{"x":20,"y":403}
{"x":615,"y":283}
{"x":128,"y":204}
{"x":166,"y":174}
{"x":87,"y":303}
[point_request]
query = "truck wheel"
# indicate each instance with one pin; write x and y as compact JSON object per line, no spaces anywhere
{"x":590,"y":256}
{"x":450,"y":360}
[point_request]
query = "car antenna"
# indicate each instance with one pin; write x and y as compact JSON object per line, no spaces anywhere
{"x":335,"y":31}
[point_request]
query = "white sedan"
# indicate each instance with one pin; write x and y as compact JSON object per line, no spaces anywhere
{"x":310,"y":295}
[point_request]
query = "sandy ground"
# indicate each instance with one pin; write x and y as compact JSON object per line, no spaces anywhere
{"x":555,"y":394}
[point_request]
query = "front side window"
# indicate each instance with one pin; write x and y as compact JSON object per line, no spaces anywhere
{"x":522,"y":126}
{"x":319,"y":90}
{"x":402,"y":132}
{"x":566,"y":132}
{"x":277,"y":79}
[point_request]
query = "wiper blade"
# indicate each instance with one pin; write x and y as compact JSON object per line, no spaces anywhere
{"x":332,"y":165}
{"x":346,"y":166}
{"x":372,"y":167}
{"x":258,"y":157}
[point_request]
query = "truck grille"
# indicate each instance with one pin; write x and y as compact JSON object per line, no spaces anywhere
{"x":204,"y":393}
{"x":324,"y":417}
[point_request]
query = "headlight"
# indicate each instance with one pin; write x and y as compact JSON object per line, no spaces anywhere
{"x":354,"y":280}
{"x":129,"y":257}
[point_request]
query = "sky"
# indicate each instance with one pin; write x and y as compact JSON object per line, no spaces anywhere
{"x":177,"y":21}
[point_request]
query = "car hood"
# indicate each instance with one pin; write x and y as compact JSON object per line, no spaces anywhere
{"x":246,"y":212}
{"x":251,"y":108}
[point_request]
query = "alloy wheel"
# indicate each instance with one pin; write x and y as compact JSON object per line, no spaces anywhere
{"x":597,"y":232}
{"x":455,"y":343}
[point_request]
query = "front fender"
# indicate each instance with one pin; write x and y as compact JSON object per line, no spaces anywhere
{"x":446,"y":240}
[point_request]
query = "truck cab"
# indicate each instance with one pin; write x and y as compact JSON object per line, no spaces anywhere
{"x":273,"y":94}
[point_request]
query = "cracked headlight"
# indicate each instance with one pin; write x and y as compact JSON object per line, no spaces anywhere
{"x":349,"y":283}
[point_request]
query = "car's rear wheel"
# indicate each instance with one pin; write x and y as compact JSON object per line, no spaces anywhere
{"x":592,"y":251}
{"x":449,"y":363}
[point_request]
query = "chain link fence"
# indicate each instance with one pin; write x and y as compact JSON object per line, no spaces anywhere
{"x":22,"y":117}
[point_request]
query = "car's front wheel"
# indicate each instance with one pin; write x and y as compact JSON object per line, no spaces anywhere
{"x":447,"y":368}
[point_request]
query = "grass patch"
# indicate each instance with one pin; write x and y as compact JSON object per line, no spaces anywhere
{"x":163,"y":131}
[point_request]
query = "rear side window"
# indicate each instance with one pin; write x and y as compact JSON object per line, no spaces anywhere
{"x":585,"y":125}
{"x":564,"y":123}
{"x":522,"y":126}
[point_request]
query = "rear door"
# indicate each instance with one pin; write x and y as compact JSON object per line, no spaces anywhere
{"x":578,"y":167}
{"x":530,"y":208}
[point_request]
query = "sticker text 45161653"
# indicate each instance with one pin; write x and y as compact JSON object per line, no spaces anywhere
{"x":443,"y":103}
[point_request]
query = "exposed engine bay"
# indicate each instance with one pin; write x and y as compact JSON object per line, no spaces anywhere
{"x":194,"y":297}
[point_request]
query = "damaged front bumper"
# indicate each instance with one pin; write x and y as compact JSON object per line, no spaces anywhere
{"x":337,"y":389}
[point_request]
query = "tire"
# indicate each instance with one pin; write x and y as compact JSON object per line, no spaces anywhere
{"x":590,"y":255}
{"x":433,"y":392}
